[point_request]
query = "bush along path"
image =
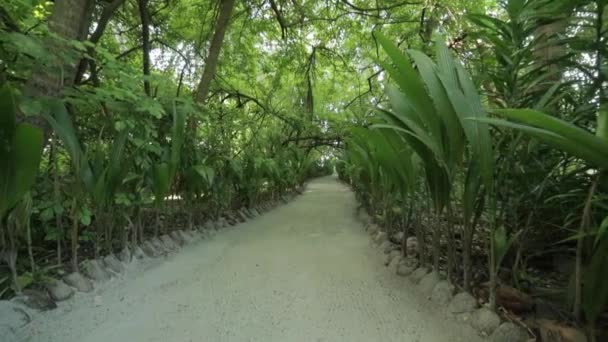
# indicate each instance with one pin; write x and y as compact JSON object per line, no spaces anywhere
{"x":301,"y":272}
{"x":18,"y":312}
{"x":429,"y":171}
{"x":400,"y":256}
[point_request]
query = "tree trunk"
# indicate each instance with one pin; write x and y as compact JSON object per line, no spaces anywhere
{"x":70,"y":20}
{"x":102,"y":23}
{"x":74,"y":237}
{"x":550,"y":49}
{"x":580,"y":255}
{"x":221,"y":25}
{"x":436,"y":224}
{"x":8,"y":251}
{"x":30,"y":252}
{"x":57,"y":197}
{"x":145,"y":37}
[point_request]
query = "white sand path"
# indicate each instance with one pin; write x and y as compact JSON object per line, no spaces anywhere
{"x":304,"y":271}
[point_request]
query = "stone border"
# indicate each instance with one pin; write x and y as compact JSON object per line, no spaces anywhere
{"x":20,"y":310}
{"x":461,"y":306}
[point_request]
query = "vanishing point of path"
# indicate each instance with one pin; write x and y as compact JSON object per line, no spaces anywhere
{"x":304,"y":271}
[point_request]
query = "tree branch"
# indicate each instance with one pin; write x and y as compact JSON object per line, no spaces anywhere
{"x":375,"y":9}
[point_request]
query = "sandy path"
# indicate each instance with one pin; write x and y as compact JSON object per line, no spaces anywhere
{"x":302,"y":272}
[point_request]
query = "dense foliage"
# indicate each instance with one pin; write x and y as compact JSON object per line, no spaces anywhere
{"x":479,"y":126}
{"x":508,"y":156}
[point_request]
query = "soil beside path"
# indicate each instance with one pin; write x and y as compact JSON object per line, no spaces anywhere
{"x":304,"y":271}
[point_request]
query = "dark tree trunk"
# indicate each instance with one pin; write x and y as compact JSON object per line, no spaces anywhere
{"x":102,"y":23}
{"x":145,"y":38}
{"x":221,"y":25}
{"x":70,"y":20}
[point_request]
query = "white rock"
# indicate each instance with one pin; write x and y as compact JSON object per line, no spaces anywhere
{"x":418,"y":274}
{"x":398,"y":237}
{"x":462,"y":302}
{"x":243,"y":215}
{"x":442,"y":293}
{"x":209,"y":225}
{"x":125,"y":255}
{"x":149,"y":249}
{"x":394,"y":264}
{"x":94,"y":270}
{"x":411,"y":246}
{"x":385,"y":246}
{"x":58,"y":290}
{"x":186,"y":236}
{"x":428,"y":283}
{"x":509,"y":332}
{"x":177,"y":238}
{"x":390,"y":256}
{"x":35,"y":299}
{"x":168,"y":243}
{"x":485,"y":320}
{"x":404,"y":270}
{"x":159,"y":246}
{"x":113,"y":264}
{"x":79,"y":282}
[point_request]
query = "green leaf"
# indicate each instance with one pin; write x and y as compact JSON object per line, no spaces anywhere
{"x":412,"y":87}
{"x":24,"y":280}
{"x":502,"y":244}
{"x":7,"y":132}
{"x":60,"y":121}
{"x":47,"y":214}
{"x":601,"y":231}
{"x":20,"y":152}
{"x":449,"y":119}
{"x":466,"y":102}
{"x":207,"y":173}
{"x":58,"y":208}
{"x":27,"y":145}
{"x":572,"y":133}
{"x":574,"y":146}
{"x":84,"y":216}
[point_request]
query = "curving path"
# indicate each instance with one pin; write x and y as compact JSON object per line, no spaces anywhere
{"x":304,"y":271}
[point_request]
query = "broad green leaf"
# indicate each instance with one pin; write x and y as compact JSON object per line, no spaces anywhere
{"x":27,"y":150}
{"x":592,"y":155}
{"x":20,"y":153}
{"x":572,"y":133}
{"x":61,"y":122}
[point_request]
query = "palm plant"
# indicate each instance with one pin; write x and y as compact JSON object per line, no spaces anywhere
{"x":98,"y":179}
{"x":200,"y":180}
{"x":589,"y":294}
{"x":392,"y":169}
{"x":430,"y":112}
{"x":525,"y":50}
{"x":163,"y":173}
